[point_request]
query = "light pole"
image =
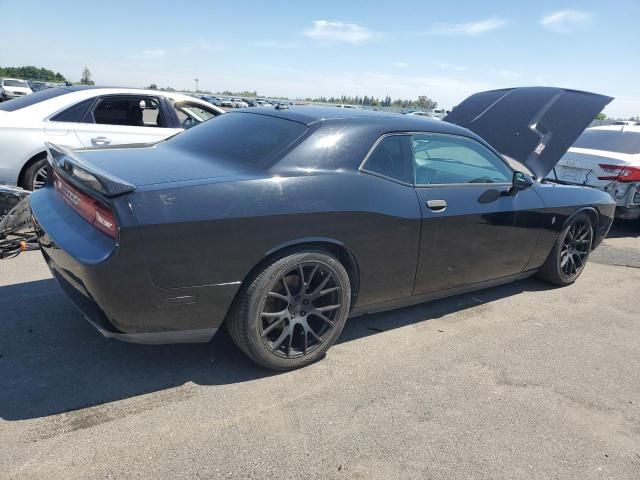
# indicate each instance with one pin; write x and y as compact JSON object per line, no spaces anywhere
{"x":196,"y":85}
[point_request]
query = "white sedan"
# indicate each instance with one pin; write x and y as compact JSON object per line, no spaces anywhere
{"x":87,"y":117}
{"x":13,"y":88}
{"x":239,"y":103}
{"x":607,"y":158}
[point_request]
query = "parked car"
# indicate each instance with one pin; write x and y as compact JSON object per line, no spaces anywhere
{"x":226,"y":102}
{"x":624,"y":122}
{"x":439,"y":112}
{"x":282,"y":223}
{"x":87,"y":117}
{"x":419,"y":113}
{"x":13,"y":88}
{"x":208,"y":98}
{"x":264,"y":103}
{"x":607,"y":158}
{"x":238,"y":103}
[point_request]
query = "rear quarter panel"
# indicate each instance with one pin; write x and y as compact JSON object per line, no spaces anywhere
{"x":217,"y":233}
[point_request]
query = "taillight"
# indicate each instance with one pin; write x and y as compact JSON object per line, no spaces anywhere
{"x":89,"y":208}
{"x":620,"y":173}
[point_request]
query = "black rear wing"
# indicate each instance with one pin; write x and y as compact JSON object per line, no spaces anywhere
{"x":67,"y":162}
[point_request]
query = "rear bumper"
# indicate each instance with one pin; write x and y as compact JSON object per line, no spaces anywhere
{"x":110,"y":284}
{"x":628,"y":213}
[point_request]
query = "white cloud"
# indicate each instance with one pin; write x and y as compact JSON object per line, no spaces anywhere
{"x":451,"y":66}
{"x":400,"y":64}
{"x":203,"y":45}
{"x":508,"y":74}
{"x":274,"y":44}
{"x":339,"y":32}
{"x":149,"y":53}
{"x":565,"y":21}
{"x":469,"y":28}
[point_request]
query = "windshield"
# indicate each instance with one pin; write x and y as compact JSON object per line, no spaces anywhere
{"x":618,"y":141}
{"x":14,"y":83}
{"x":254,"y":140}
{"x":28,"y":100}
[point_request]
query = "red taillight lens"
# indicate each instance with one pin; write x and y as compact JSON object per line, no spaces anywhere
{"x":92,"y":210}
{"x":620,"y":173}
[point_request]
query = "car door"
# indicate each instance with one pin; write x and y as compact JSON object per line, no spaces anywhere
{"x":473,"y":228}
{"x":124,"y":119}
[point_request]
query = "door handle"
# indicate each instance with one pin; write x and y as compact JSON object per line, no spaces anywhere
{"x":437,"y":205}
{"x":100,"y":141}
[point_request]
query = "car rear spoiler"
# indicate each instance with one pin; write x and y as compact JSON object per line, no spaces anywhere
{"x":69,"y":163}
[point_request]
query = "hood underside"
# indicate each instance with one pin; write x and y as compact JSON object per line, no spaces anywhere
{"x":534,"y":125}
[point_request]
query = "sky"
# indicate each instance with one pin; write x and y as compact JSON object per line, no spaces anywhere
{"x":445,"y":50}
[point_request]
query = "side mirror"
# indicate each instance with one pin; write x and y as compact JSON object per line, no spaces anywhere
{"x":521,"y":181}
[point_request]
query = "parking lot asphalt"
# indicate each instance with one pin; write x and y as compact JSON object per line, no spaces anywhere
{"x":518,"y":381}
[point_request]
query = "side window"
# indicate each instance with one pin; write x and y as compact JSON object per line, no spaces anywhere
{"x":447,"y":159}
{"x":191,"y":114}
{"x":130,"y":110}
{"x":76,"y":113}
{"x":392,"y":158}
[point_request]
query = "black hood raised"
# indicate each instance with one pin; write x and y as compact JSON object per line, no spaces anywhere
{"x":534,"y":125}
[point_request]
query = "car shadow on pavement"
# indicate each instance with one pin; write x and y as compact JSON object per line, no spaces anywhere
{"x":625,"y":229}
{"x":52,"y":361}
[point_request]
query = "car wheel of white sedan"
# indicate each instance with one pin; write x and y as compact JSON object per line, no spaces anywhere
{"x":36,"y":175}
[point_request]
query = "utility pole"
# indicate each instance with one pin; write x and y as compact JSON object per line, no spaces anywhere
{"x":196,"y":85}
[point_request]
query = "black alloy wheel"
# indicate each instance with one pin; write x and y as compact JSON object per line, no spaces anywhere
{"x":293,"y":310}
{"x":299,"y":312}
{"x":576,"y":246}
{"x":570,"y":253}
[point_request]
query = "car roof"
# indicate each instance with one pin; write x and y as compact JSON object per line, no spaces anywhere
{"x":310,"y":115}
{"x":620,"y":128}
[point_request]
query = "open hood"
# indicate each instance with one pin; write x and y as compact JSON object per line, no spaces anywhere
{"x":534,"y":125}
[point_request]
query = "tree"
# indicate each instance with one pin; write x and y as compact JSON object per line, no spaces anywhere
{"x":86,"y":77}
{"x":153,"y":86}
{"x":425,"y":103}
{"x":32,"y":73}
{"x":601,"y":116}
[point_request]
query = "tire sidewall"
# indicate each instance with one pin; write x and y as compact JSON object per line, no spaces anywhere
{"x":257,"y":296}
{"x":558,"y":250}
{"x":30,"y":173}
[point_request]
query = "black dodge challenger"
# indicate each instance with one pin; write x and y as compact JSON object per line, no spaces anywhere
{"x":283,"y":222}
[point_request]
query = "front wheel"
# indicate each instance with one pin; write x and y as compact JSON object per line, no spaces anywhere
{"x":569,"y":255}
{"x":292,"y":311}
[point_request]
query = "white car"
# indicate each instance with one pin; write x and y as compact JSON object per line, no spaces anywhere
{"x":238,"y":103}
{"x":13,"y":88}
{"x":87,"y":117}
{"x":439,"y":112}
{"x":607,"y":158}
{"x":423,"y":114}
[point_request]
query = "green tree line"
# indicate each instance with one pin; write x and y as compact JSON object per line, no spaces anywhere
{"x":422,"y":101}
{"x":32,"y":73}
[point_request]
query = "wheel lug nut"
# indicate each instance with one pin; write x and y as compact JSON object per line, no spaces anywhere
{"x":303,"y":313}
{"x":305,"y":302}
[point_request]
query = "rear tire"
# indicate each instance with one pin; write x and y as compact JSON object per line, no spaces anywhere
{"x":35,"y":175}
{"x":570,"y":253}
{"x":292,"y":311}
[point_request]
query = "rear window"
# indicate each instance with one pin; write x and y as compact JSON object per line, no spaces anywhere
{"x":617,"y":141}
{"x":32,"y":99}
{"x":255,"y":140}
